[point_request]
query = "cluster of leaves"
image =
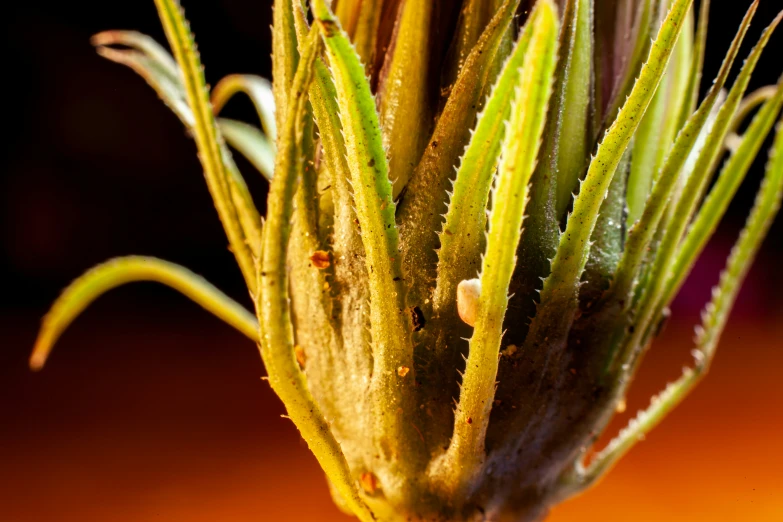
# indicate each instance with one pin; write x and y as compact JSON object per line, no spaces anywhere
{"x":587,"y":135}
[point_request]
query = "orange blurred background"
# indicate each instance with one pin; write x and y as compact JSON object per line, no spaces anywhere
{"x":152,"y":410}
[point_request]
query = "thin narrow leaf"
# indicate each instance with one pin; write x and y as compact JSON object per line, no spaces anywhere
{"x":660,"y":125}
{"x":559,"y":295}
{"x":748,"y":105}
{"x":715,"y":316}
{"x":150,"y":61}
{"x":366,"y":33}
{"x":565,"y":146}
{"x":641,"y":234}
{"x":272,"y":301}
{"x":661,"y":287}
{"x":252,"y":143}
{"x":463,"y":238}
{"x":722,"y":193}
{"x":390,"y":322}
{"x":608,"y":238}
{"x":647,"y":142}
{"x":347,"y":11}
{"x":424,"y":200}
{"x":403,"y":92}
{"x":697,"y":64}
{"x":285,"y":56}
{"x":260,"y":92}
{"x":473,"y":19}
{"x":627,"y":66}
{"x":117,"y":272}
{"x":224,"y":182}
{"x":353,"y":364}
{"x":522,"y":142}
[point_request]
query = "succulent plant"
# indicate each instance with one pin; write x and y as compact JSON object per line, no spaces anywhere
{"x":467,"y":248}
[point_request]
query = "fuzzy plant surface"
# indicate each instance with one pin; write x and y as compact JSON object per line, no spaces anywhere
{"x":468,"y":246}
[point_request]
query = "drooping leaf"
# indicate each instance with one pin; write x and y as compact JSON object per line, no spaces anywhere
{"x":158,"y":68}
{"x":252,"y":143}
{"x":123,"y":270}
{"x":260,"y":92}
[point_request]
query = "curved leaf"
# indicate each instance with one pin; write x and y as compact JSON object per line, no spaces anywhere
{"x":260,"y":92}
{"x":122,"y":270}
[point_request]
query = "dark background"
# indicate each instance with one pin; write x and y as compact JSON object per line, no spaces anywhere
{"x":149,"y":406}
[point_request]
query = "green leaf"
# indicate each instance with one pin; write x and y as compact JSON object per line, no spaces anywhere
{"x":697,"y":65}
{"x":122,"y":270}
{"x":725,"y":294}
{"x":473,"y":19}
{"x":158,"y":68}
{"x":252,"y":143}
{"x":565,"y":145}
{"x":366,"y":33}
{"x":260,"y":92}
{"x":285,"y":56}
{"x":390,"y":322}
{"x":722,"y":193}
{"x":715,"y":316}
{"x":641,"y":233}
{"x":223,"y":181}
{"x":272,"y":300}
{"x":633,"y":29}
{"x":352,"y":364}
{"x":403,"y":92}
{"x":662,"y":288}
{"x":559,"y":295}
{"x":644,"y":164}
{"x":424,"y":199}
{"x":521,"y":145}
{"x":463,"y":237}
{"x":659,"y":128}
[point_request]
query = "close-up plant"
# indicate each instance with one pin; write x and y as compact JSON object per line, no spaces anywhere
{"x":465,"y":254}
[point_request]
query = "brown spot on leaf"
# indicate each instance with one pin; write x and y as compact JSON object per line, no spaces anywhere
{"x":320,"y":259}
{"x":329,"y":26}
{"x":369,"y":482}
{"x":418,"y":318}
{"x":301,"y":358}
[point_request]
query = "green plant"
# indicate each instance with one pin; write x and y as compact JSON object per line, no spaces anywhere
{"x":369,"y":302}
